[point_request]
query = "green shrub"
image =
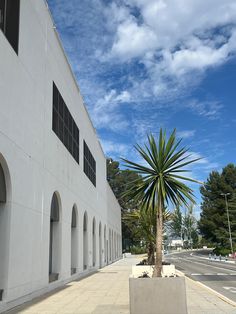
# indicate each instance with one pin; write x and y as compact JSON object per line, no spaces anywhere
{"x":221,"y":251}
{"x":137,"y":250}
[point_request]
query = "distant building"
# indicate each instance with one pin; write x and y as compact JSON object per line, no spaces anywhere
{"x":59,"y":219}
{"x":176,"y":243}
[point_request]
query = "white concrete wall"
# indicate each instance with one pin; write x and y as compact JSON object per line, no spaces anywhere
{"x":39,"y":164}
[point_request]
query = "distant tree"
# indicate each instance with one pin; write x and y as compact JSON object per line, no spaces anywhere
{"x":176,"y":223}
{"x":213,"y":222}
{"x":119,"y":181}
{"x":190,"y":227}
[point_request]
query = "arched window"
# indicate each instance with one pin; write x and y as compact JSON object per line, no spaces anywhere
{"x":85,"y":241}
{"x":74,"y":240}
{"x":55,"y":239}
{"x":94,"y":242}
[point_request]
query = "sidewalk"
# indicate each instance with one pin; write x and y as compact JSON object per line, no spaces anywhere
{"x":107,"y":292}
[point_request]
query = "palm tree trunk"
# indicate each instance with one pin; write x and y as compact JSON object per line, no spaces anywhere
{"x":159,"y":235}
{"x":151,"y":253}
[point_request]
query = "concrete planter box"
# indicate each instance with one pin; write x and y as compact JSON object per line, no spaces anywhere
{"x":157,"y":295}
{"x":139,"y":270}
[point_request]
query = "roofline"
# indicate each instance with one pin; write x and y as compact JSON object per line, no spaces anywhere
{"x":72,"y":73}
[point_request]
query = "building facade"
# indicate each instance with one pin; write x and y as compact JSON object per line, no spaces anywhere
{"x":59,"y":219}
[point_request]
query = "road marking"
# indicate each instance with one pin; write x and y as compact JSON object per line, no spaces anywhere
{"x":207,"y":265}
{"x":230,"y":289}
{"x":211,"y":274}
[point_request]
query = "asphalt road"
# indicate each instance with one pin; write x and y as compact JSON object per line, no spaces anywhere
{"x":218,"y":275}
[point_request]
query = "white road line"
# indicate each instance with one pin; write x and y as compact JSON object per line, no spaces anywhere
{"x":211,"y":274}
{"x":230,"y":289}
{"x":207,"y":265}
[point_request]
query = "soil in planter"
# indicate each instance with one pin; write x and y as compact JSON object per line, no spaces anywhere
{"x":144,"y":262}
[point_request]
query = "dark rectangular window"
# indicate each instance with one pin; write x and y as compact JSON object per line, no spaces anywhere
{"x":89,"y":165}
{"x":62,"y":124}
{"x":9,"y":21}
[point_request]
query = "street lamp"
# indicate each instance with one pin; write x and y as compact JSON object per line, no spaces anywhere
{"x":227,"y":211}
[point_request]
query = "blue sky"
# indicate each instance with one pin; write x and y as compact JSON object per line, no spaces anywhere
{"x":146,"y":64}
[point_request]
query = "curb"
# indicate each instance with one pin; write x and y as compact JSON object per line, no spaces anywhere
{"x":219,"y":295}
{"x":214,"y":260}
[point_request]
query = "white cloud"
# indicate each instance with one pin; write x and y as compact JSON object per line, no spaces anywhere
{"x":171,"y":43}
{"x":186,"y":133}
{"x":105,"y":113}
{"x":168,"y":23}
{"x":114,"y":148}
{"x":133,"y":40}
{"x":172,"y":39}
{"x":209,"y":109}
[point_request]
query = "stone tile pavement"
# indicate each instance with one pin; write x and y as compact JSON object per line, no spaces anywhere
{"x":107,"y":292}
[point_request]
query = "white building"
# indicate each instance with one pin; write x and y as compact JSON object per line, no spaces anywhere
{"x":59,"y":219}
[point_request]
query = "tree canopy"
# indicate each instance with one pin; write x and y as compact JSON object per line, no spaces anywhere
{"x":119,"y":181}
{"x":213,"y":222}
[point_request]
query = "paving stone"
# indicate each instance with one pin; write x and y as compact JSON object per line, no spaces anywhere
{"x":107,"y":292}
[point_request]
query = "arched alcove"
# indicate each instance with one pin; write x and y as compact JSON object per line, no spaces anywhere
{"x":55,"y":239}
{"x":5,"y":209}
{"x":94,"y":241}
{"x":3,"y":188}
{"x":85,"y":241}
{"x":74,"y":240}
{"x":100,"y":245}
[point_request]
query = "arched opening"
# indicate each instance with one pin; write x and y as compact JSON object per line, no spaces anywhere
{"x":94,"y":242}
{"x":3,"y":188}
{"x":100,"y":245}
{"x":105,"y":246}
{"x":74,"y":240}
{"x":54,"y":239}
{"x":5,"y":196}
{"x":85,"y":241}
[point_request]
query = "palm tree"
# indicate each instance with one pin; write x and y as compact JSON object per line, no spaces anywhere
{"x":142,"y":224}
{"x":162,"y":181}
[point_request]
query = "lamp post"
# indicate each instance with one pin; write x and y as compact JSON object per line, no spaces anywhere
{"x":227,"y":211}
